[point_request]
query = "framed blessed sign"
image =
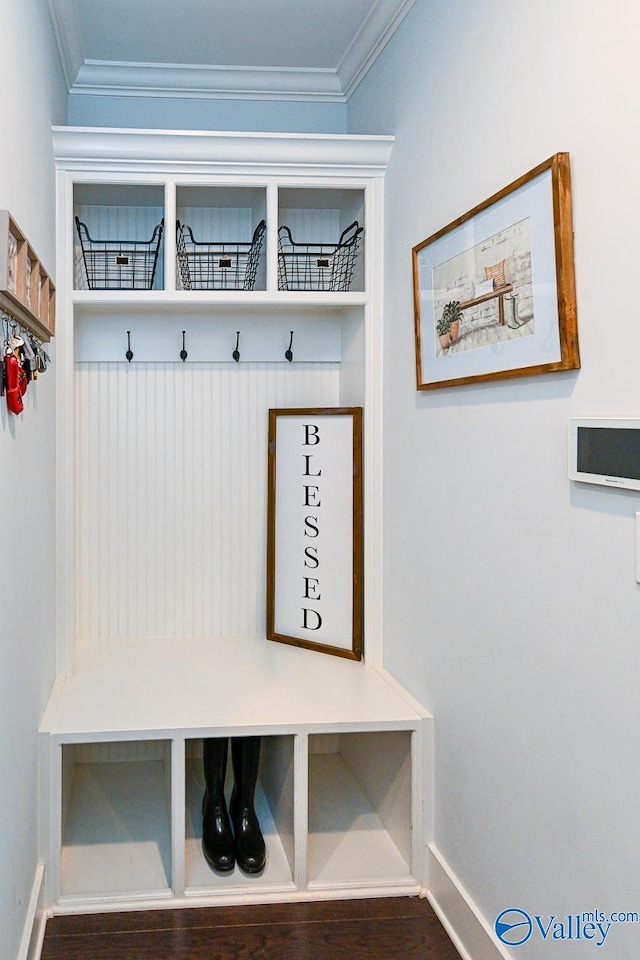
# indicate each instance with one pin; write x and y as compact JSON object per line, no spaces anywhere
{"x":494,"y":291}
{"x":314,"y":543}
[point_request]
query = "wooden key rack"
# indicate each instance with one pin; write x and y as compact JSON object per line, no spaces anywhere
{"x":26,"y":289}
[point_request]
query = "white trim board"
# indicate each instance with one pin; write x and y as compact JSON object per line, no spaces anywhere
{"x":35,"y":921}
{"x":468,"y":929}
{"x":203,"y":82}
{"x":232,"y":152}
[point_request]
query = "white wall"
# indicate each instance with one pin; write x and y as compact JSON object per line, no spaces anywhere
{"x":31,"y":99}
{"x":511,"y":608}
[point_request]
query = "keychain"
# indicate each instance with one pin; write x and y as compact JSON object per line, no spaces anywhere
{"x":15,"y":381}
{"x":27,"y":358}
{"x":15,"y":378}
{"x":23,"y":358}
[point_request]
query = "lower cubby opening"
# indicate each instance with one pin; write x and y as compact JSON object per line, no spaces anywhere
{"x":116,"y":819}
{"x":274,"y":802}
{"x":360,"y":808}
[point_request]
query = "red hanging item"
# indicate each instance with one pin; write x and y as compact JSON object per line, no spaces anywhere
{"x":23,"y":379}
{"x":15,"y":383}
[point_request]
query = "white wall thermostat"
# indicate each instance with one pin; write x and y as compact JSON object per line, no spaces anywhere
{"x":605,"y":451}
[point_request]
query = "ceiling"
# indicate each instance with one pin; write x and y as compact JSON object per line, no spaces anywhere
{"x":233,"y":49}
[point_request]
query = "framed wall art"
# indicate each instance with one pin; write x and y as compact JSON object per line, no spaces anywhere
{"x":494,"y":291}
{"x":315,"y":540}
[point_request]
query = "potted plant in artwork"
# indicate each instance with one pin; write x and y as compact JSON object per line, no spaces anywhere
{"x":452,"y":313}
{"x":443,"y":331}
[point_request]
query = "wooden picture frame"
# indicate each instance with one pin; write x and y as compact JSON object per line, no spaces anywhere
{"x":315,"y":530}
{"x":494,"y":291}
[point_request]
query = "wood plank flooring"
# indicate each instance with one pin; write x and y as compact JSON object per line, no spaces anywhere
{"x":402,"y":928}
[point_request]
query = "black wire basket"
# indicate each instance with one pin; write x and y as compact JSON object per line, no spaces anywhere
{"x":217,"y":265}
{"x":119,"y":264}
{"x":317,"y":266}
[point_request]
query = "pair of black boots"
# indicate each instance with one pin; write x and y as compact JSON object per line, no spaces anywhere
{"x":223,"y":846}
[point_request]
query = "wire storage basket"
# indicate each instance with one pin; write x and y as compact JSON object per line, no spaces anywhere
{"x":317,"y":266}
{"x":217,"y":265}
{"x":119,"y":264}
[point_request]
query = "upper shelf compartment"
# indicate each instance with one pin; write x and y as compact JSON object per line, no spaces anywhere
{"x":118,"y":236}
{"x":220,"y":238}
{"x":321,"y":240}
{"x":234,"y":191}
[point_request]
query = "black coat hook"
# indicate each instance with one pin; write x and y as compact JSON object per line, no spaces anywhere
{"x":236,"y":352}
{"x":288,"y":354}
{"x":183,"y":352}
{"x":129,"y":353}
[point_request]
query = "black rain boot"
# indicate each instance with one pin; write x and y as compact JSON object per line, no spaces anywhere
{"x":217,"y":838}
{"x":251,"y":854}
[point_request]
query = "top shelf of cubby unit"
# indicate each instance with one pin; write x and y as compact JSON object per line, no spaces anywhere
{"x":197,"y":300}
{"x":133,"y":153}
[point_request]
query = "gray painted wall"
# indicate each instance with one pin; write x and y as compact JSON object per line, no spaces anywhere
{"x":174,"y":114}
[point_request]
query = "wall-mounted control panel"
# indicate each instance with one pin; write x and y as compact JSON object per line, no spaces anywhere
{"x":605,"y":451}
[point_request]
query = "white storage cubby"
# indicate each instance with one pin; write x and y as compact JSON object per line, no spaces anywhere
{"x":219,"y":216}
{"x":161,"y":500}
{"x":339,"y":812}
{"x":275,"y":809}
{"x":360,"y":808}
{"x":115,"y":819}
{"x":320,"y":215}
{"x":116,"y":213}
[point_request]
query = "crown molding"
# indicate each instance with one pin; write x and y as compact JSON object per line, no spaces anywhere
{"x":64,"y":18}
{"x":104,"y":78}
{"x":125,"y":150}
{"x":382,"y":22}
{"x":209,"y":82}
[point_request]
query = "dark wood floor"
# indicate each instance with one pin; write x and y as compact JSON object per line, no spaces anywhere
{"x":394,"y":928}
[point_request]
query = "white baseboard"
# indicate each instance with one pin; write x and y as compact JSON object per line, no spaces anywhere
{"x":468,"y":929}
{"x":35,"y":921}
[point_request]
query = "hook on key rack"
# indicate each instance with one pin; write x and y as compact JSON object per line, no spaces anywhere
{"x":183,"y":352}
{"x":129,"y":353}
{"x":236,"y":352}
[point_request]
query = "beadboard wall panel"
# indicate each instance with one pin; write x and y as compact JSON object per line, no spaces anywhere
{"x":172,"y":492}
{"x":311,"y":226}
